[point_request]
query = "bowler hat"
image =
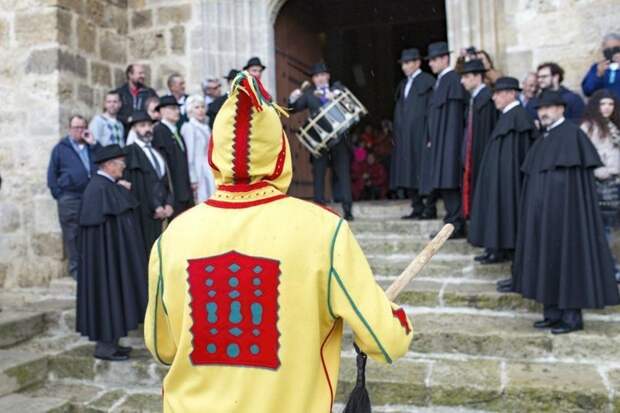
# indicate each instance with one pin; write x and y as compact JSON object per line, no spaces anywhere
{"x":231,"y":74}
{"x":549,"y":98}
{"x":473,"y":66}
{"x":506,"y":83}
{"x":167,"y":100}
{"x":254,"y":61}
{"x":108,"y":152}
{"x":408,"y":55}
{"x":318,"y":68}
{"x":139,"y":116}
{"x":437,"y":49}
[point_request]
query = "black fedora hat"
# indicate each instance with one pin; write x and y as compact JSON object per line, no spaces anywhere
{"x":139,"y":116}
{"x":318,"y":68}
{"x":506,"y":83}
{"x":231,"y":74}
{"x":408,"y":55}
{"x":549,"y":98}
{"x":473,"y":66}
{"x":254,"y":61}
{"x":437,"y":49}
{"x":108,"y":152}
{"x":167,"y":100}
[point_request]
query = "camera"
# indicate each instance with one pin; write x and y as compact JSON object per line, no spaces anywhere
{"x":610,"y":52}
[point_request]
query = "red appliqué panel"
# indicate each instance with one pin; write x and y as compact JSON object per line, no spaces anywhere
{"x":402,"y":317}
{"x":234,"y":302}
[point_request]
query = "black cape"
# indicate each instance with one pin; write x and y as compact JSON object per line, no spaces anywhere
{"x":441,"y":165}
{"x":150,"y":190}
{"x":409,"y":131}
{"x":562,"y":257}
{"x":214,"y":108}
{"x":484,"y":120}
{"x":112,"y":277}
{"x":176,"y":159}
{"x":495,"y":206}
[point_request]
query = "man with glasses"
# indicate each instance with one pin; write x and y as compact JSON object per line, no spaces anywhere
{"x":212,"y":89}
{"x":550,"y":76}
{"x":70,"y":168}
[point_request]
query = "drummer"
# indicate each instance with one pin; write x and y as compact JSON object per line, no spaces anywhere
{"x":313,"y":98}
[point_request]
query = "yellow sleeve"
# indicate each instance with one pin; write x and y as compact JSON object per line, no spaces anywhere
{"x":156,"y":324}
{"x":382,"y":329}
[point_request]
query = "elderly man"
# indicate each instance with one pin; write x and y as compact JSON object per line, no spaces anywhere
{"x":212,"y":89}
{"x":250,"y":290}
{"x":70,"y":168}
{"x":562,"y":258}
{"x":605,"y":74}
{"x":112,"y":286}
{"x":529,"y":87}
{"x":176,"y":88}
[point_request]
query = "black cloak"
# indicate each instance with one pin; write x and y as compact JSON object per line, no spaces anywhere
{"x":495,"y":207}
{"x":562,"y":257}
{"x":410,"y":115}
{"x":150,"y":190}
{"x":484,"y":118}
{"x":112,"y":277}
{"x":441,"y":165}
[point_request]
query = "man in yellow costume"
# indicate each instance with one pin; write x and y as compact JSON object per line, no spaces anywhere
{"x":248,"y":291}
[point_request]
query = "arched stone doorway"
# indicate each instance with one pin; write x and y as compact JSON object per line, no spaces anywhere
{"x":360,"y":40}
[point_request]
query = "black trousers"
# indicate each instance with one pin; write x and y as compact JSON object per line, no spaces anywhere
{"x":423,"y":203}
{"x":572,"y":317}
{"x":341,"y":165}
{"x":452,"y":202}
{"x":68,"y":215}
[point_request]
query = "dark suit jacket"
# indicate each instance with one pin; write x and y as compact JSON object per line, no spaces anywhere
{"x":130,"y":105}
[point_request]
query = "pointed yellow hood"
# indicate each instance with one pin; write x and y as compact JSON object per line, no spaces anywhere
{"x":248,"y":145}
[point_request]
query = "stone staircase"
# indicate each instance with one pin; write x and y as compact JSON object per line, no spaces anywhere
{"x":474,"y":350}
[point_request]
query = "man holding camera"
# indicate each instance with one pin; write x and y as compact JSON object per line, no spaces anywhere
{"x":70,"y":169}
{"x":606,"y":73}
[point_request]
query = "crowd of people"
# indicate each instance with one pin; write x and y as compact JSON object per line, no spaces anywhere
{"x":526,"y":170}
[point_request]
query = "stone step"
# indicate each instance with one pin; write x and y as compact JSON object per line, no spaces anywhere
{"x":441,"y":266}
{"x":493,"y":385}
{"x":410,"y":245}
{"x":20,"y":370}
{"x":15,"y":403}
{"x":19,"y":326}
{"x":401,"y":227}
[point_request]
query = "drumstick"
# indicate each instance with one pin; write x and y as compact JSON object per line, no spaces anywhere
{"x":419,"y":262}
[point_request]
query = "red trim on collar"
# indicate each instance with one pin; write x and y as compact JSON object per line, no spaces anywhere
{"x":241,"y":141}
{"x":210,"y":154}
{"x":243,"y":187}
{"x":277,"y":171}
{"x":240,"y":205}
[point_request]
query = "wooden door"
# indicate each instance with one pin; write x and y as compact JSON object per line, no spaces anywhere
{"x":298,"y":46}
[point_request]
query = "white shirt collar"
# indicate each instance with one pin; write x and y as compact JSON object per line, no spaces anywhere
{"x":105,"y":175}
{"x":443,"y":72}
{"x":140,"y":142}
{"x":477,"y":90}
{"x":171,"y":126}
{"x":556,"y":123}
{"x":510,"y":106}
{"x":415,"y":74}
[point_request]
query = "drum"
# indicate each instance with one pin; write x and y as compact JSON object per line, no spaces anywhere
{"x":326,"y":128}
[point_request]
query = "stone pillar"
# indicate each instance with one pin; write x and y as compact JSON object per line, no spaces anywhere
{"x":472,"y":23}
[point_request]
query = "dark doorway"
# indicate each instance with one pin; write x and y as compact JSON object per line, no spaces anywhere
{"x":360,"y":40}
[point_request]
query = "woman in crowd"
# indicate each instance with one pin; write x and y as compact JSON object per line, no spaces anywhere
{"x":601,"y":122}
{"x":196,"y":133}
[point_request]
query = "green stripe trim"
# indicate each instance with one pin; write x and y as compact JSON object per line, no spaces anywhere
{"x":161,"y":275}
{"x":158,"y":295}
{"x":332,"y":271}
{"x":331,"y":266}
{"x":361,"y":317}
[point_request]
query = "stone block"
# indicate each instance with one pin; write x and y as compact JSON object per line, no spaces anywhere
{"x":458,"y":383}
{"x":115,"y":18}
{"x":119,"y":77}
{"x":47,"y":244}
{"x":174,"y":14}
{"x":21,"y":403}
{"x":42,"y":62}
{"x":112,"y":47}
{"x":19,"y":370}
{"x":86,"y":94}
{"x":4,"y":33}
{"x":10,"y":218}
{"x":19,"y":326}
{"x":177,"y":40}
{"x":65,"y":28}
{"x":100,"y":74}
{"x":66,"y":89}
{"x":141,"y":19}
{"x":86,"y":35}
{"x":35,"y":28}
{"x":75,"y":64}
{"x":95,"y":10}
{"x":147,"y":45}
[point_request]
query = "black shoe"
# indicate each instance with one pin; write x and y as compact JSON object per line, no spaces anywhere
{"x":494,"y":258}
{"x":114,"y":357}
{"x":349,"y":217}
{"x":563,"y":328}
{"x":457,"y":234}
{"x":546,"y":323}
{"x":504,"y":282}
{"x":124,"y":350}
{"x":482,"y":257}
{"x":505,"y":288}
{"x":413,"y":215}
{"x":428,"y":215}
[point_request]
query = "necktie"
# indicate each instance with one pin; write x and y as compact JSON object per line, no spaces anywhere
{"x":154,"y":160}
{"x":468,"y":172}
{"x":177,"y":138}
{"x":408,"y":86}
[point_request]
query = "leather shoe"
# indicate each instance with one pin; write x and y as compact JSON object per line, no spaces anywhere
{"x":124,"y":350}
{"x":546,"y":323}
{"x":482,"y":257}
{"x":114,"y":357}
{"x":457,"y":234}
{"x":494,"y":258}
{"x":413,"y":215}
{"x":563,"y":328}
{"x":505,"y":288}
{"x":428,"y":215}
{"x":507,"y":282}
{"x":349,"y":217}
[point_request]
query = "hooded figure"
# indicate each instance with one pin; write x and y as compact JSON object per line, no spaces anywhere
{"x":248,"y":291}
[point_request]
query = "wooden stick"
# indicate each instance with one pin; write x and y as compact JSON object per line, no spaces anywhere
{"x":419,"y":262}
